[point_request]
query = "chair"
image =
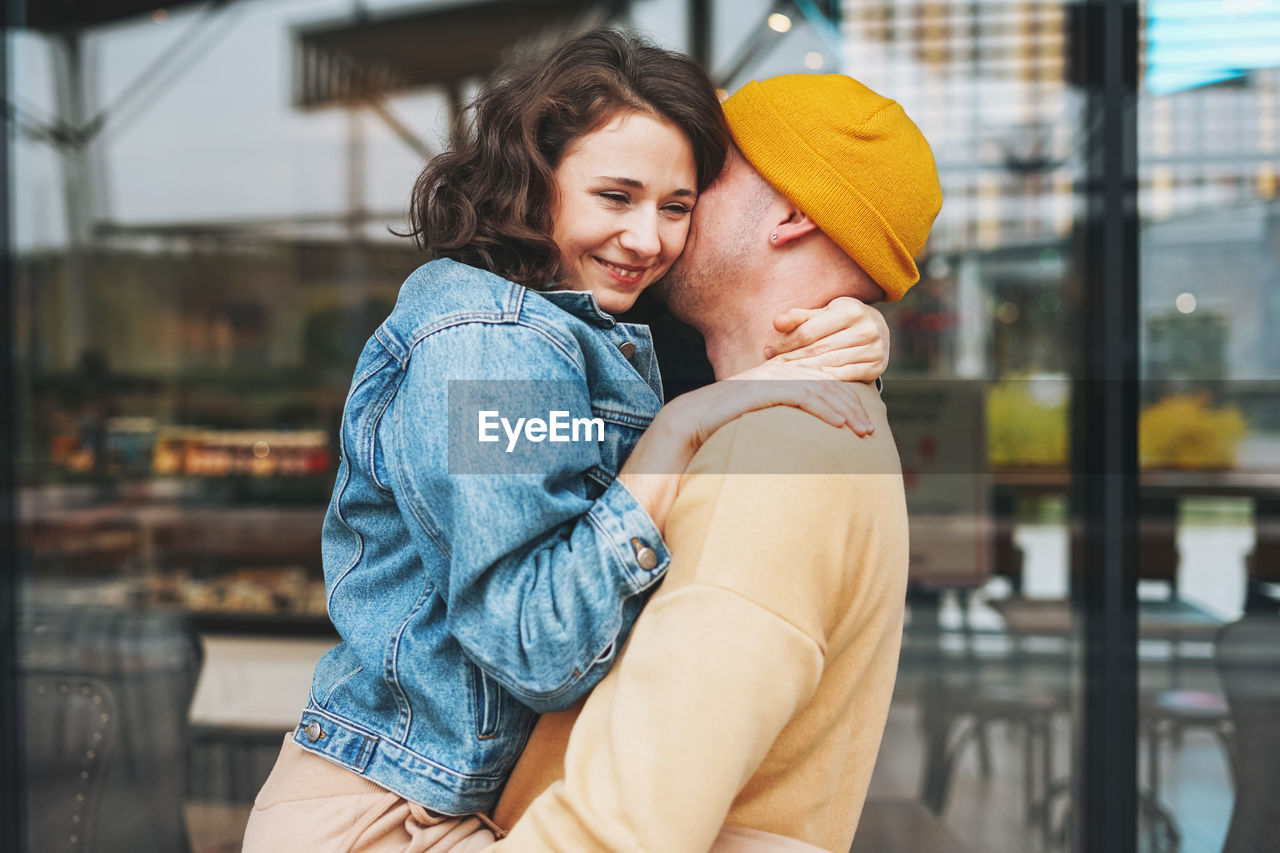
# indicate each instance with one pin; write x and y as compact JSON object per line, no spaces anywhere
{"x":106,"y":696}
{"x":960,"y":703}
{"x":1163,"y":717}
{"x":953,"y":716}
{"x":1248,"y":659}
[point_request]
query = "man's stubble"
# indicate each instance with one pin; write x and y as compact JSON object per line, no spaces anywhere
{"x":711,"y":268}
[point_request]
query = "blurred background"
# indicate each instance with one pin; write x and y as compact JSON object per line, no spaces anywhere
{"x":200,"y":197}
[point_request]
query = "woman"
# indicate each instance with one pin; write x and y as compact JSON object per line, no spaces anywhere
{"x":475,"y":586}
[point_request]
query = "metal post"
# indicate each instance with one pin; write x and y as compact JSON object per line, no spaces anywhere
{"x":12,"y":777}
{"x":1105,"y":446}
{"x":700,"y":32}
{"x":355,"y":267}
{"x":68,"y":68}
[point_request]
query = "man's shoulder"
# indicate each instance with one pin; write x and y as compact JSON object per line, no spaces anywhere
{"x":786,"y":511}
{"x":789,"y":440}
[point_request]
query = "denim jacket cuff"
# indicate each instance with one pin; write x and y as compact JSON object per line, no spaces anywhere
{"x":643,"y":556}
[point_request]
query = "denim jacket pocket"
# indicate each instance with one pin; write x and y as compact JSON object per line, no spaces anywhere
{"x":487,"y":699}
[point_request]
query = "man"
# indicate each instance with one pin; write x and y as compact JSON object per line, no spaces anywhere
{"x":747,"y":708}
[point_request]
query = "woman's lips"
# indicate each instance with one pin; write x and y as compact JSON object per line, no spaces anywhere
{"x":621,"y":273}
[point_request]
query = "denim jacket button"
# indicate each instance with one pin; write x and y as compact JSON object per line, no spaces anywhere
{"x":646,"y":557}
{"x":627,"y":349}
{"x":313,"y":731}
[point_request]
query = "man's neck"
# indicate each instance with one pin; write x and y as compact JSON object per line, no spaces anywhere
{"x":736,"y":340}
{"x":729,"y":357}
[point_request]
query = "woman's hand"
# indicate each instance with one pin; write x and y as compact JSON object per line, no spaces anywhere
{"x":847,"y":338}
{"x":805,"y":387}
{"x":652,"y":472}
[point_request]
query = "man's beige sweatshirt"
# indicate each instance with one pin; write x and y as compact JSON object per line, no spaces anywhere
{"x":754,"y":689}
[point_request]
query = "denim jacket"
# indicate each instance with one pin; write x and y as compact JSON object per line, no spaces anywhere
{"x":473,"y":586}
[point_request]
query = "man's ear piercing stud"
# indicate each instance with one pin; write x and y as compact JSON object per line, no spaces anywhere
{"x":774,"y":237}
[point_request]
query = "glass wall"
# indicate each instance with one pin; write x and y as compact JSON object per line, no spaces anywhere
{"x":979,"y":750}
{"x":200,"y":255}
{"x":1210,"y":281}
{"x":202,"y":197}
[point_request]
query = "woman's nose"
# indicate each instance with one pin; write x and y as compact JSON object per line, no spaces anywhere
{"x":641,"y":236}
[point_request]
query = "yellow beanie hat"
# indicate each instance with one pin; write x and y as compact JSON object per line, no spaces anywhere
{"x":851,"y":160}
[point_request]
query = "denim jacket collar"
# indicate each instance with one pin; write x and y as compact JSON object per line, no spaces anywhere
{"x":581,"y":304}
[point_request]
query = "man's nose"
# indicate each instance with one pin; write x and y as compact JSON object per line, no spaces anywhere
{"x":641,"y":235}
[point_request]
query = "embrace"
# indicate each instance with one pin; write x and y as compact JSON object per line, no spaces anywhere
{"x":679,"y":631}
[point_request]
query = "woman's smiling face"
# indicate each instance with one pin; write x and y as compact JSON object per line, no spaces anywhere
{"x":624,"y":194}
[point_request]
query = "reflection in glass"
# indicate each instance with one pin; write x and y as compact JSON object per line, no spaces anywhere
{"x":1208,"y":432}
{"x":195,"y":276}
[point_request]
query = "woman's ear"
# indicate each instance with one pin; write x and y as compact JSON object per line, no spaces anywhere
{"x":795,"y":226}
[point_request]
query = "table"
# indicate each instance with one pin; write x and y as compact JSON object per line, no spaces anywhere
{"x":1169,"y":620}
{"x":1160,"y":492}
{"x":1172,"y":621}
{"x":255,"y":682}
{"x":1164,"y":620}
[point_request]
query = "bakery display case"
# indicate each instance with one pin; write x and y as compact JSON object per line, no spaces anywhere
{"x":181,"y":455}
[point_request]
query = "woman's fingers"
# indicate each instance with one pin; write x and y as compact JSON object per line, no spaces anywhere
{"x":822,"y":408}
{"x":872,"y":352}
{"x":843,"y":322}
{"x":853,"y":338}
{"x":834,"y":402}
{"x":861,"y":423}
{"x":788,"y":320}
{"x":805,"y":387}
{"x":803,"y":329}
{"x":846,"y":365}
{"x":854,"y":372}
{"x":855,"y":414}
{"x":846,"y":335}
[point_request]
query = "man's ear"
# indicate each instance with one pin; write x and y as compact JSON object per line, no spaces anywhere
{"x":795,"y":226}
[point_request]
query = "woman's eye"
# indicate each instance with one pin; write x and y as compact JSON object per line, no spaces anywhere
{"x":617,"y":198}
{"x":677,"y":209}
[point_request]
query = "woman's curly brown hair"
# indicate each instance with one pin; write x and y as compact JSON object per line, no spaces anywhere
{"x":488,"y":203}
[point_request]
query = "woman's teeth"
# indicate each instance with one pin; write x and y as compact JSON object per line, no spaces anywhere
{"x":620,"y":271}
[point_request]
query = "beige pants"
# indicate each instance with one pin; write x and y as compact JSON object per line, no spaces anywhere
{"x":310,"y":804}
